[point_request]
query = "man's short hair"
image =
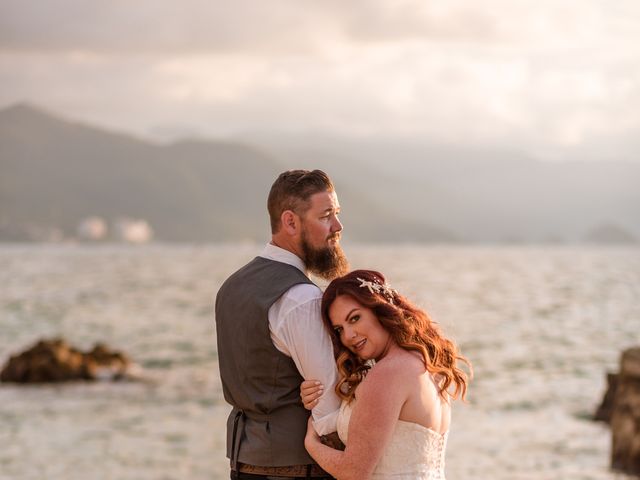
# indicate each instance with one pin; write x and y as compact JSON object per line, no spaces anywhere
{"x":292,"y":190}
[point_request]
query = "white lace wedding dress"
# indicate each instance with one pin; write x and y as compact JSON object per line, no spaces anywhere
{"x":415,"y":452}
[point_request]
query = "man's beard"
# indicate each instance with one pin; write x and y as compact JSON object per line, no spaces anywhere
{"x":326,"y":262}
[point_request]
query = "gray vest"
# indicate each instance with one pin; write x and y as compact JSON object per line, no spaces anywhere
{"x":267,"y":424}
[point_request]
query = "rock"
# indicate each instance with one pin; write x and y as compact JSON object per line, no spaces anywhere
{"x":625,"y":415}
{"x":56,"y":361}
{"x":104,"y":364}
{"x":603,"y":413}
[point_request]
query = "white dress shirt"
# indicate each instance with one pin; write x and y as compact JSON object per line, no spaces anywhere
{"x":297,"y":330}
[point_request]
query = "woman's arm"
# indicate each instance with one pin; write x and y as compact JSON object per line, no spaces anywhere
{"x":310,"y":393}
{"x":380,"y":398}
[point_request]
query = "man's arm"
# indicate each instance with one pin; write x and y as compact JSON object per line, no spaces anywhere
{"x":300,"y":330}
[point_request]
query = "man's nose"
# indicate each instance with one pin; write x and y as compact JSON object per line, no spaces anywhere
{"x":336,"y":226}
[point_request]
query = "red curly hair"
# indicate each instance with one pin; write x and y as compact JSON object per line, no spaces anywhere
{"x":409,"y":326}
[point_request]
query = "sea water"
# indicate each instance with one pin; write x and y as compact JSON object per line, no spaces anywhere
{"x":542,"y":326}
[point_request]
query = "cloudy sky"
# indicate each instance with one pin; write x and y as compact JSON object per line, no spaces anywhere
{"x":553,"y":78}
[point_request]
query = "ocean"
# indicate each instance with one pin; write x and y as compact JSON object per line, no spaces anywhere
{"x":541,"y":324}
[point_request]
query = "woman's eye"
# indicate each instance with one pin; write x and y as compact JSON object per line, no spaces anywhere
{"x":338,"y":331}
{"x":355,"y":318}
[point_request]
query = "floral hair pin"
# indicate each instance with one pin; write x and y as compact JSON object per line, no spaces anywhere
{"x":375,"y":287}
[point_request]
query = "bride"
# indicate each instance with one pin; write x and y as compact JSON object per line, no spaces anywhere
{"x":398,"y":375}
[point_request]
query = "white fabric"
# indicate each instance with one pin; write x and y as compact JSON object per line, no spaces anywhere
{"x":296,"y":328}
{"x":415,"y":452}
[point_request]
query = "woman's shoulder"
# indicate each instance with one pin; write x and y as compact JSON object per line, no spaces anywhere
{"x":402,"y":360}
{"x":391,"y":379}
{"x":400,"y":367}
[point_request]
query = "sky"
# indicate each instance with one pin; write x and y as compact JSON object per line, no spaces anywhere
{"x":554,"y":79}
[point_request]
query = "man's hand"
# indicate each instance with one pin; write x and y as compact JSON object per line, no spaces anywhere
{"x":332,"y":440}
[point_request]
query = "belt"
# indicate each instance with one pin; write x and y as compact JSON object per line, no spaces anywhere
{"x":302,"y":471}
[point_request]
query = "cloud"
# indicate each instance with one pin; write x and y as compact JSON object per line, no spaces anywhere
{"x":543,"y":76}
{"x":162,"y":26}
{"x":289,"y":26}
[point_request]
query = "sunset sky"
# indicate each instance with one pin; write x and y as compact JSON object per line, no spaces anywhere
{"x":551,"y":78}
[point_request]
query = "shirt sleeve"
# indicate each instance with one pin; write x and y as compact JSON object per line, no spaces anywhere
{"x":310,"y":347}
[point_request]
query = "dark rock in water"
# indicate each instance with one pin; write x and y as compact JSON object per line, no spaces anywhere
{"x":603,"y":414}
{"x":625,"y":416}
{"x":56,"y":361}
{"x":106,"y":364}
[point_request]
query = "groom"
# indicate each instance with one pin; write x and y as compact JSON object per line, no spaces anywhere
{"x":270,"y":333}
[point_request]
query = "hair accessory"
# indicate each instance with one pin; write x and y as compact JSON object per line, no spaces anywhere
{"x":376,"y":287}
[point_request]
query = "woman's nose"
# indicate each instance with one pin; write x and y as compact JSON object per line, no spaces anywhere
{"x":349,"y":333}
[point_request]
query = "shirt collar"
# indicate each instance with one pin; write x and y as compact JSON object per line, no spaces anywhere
{"x":278,"y":254}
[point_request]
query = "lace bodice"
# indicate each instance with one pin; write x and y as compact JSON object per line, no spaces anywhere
{"x":415,"y":452}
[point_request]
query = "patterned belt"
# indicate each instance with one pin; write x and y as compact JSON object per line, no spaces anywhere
{"x":302,"y":471}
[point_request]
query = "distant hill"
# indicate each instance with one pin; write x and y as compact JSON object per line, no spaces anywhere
{"x":54,"y":173}
{"x":610,"y":234}
{"x":481,"y":195}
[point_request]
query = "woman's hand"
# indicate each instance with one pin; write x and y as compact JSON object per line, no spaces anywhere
{"x":310,"y":392}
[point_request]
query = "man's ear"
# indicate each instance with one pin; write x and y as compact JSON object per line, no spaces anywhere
{"x":290,"y":222}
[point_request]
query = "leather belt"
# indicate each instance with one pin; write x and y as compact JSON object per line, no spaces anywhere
{"x":302,"y":471}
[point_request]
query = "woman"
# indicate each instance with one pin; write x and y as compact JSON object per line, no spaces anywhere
{"x":398,"y":375}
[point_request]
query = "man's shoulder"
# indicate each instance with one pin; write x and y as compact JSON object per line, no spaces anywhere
{"x":297,"y":311}
{"x":302,"y":293}
{"x":274,"y":279}
{"x":261,"y":269}
{"x":302,"y":299}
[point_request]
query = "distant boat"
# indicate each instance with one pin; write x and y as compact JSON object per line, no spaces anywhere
{"x":92,"y":229}
{"x":133,"y":230}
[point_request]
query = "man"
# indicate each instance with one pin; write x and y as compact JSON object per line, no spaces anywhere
{"x":270,"y":333}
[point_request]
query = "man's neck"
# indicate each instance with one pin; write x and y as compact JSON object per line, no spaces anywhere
{"x":288,"y":245}
{"x":279,"y":254}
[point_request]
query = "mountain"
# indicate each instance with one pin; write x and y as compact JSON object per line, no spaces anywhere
{"x":610,"y":234}
{"x":479,"y":194}
{"x":54,"y":173}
